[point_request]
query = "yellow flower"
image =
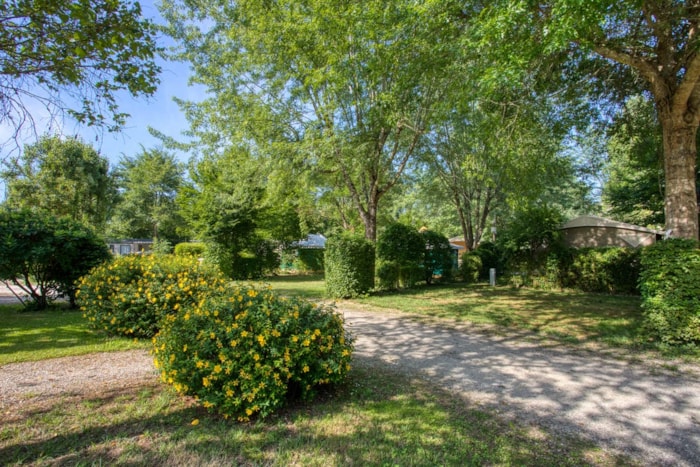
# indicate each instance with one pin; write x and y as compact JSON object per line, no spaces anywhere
{"x":305,"y":369}
{"x":261,"y":340}
{"x":217,"y":368}
{"x":195,"y":422}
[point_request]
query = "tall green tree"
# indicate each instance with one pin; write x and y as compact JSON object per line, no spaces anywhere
{"x":64,"y":177}
{"x":75,"y":56}
{"x":148,"y":184}
{"x":634,"y":190}
{"x":656,"y":40}
{"x":489,"y":156}
{"x":347,"y":86}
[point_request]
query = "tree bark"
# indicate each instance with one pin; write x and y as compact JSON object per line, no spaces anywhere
{"x":680,"y":154}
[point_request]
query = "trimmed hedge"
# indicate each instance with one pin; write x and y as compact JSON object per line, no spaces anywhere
{"x":349,"y":266}
{"x":403,"y":246}
{"x":240,"y":354}
{"x":130,"y":295}
{"x":670,"y":288}
{"x":611,"y":270}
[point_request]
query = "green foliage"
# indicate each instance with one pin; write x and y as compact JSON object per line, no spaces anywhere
{"x":403,"y":246}
{"x":438,"y":259}
{"x":387,"y":275}
{"x":90,"y":51}
{"x":130,"y":295}
{"x":190,"y":249}
{"x":147,"y":209}
{"x":44,"y":255}
{"x":529,"y":235}
{"x":471,"y":266}
{"x":303,"y":259}
{"x":634,"y":188}
{"x":242,"y":353}
{"x":64,"y":178}
{"x":492,"y":255}
{"x":598,"y":270}
{"x":349,"y":266}
{"x":670,"y":288}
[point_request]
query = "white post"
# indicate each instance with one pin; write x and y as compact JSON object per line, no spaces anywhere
{"x":492,"y":277}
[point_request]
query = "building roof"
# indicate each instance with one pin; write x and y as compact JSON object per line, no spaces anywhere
{"x":595,"y":221}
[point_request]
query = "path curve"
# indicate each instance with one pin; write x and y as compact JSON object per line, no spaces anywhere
{"x":633,"y":408}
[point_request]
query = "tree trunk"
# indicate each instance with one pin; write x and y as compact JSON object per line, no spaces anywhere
{"x":680,"y":153}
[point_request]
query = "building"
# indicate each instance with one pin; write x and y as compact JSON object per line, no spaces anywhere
{"x":596,"y":232}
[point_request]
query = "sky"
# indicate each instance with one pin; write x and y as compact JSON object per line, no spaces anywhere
{"x":159,"y":111}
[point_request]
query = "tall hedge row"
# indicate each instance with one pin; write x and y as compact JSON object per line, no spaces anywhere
{"x":670,"y":288}
{"x":349,"y":266}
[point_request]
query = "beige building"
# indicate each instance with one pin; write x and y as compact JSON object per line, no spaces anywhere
{"x":593,"y":231}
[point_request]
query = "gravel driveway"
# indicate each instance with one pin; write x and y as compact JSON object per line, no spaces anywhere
{"x":645,"y":411}
{"x":635,"y":408}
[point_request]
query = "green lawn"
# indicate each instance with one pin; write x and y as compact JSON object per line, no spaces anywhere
{"x":26,"y":336}
{"x":570,"y":316}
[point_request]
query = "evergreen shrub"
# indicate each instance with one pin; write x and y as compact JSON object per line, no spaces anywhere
{"x":612,"y":270}
{"x":243,"y":353}
{"x":404,"y":246}
{"x":349,"y":266}
{"x":470,"y":269}
{"x":387,"y":275}
{"x":195,"y":249}
{"x":670,"y":288}
{"x":130,"y":295}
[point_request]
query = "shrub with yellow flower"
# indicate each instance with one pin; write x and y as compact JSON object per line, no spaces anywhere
{"x":243,"y":356}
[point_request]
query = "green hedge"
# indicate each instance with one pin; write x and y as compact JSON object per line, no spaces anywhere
{"x":599,"y":270}
{"x":670,"y":288}
{"x":404,"y":247}
{"x":438,"y":260}
{"x":349,"y":266}
{"x":242,"y":353}
{"x":471,"y":266}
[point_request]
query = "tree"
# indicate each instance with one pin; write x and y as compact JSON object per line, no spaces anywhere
{"x":634,"y":188}
{"x":149,"y":184}
{"x":656,"y":40}
{"x":44,"y":255}
{"x":75,"y":56}
{"x":344,"y":88}
{"x":64,"y":177}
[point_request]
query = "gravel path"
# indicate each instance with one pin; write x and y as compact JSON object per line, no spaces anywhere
{"x":633,"y":408}
{"x":636,"y":409}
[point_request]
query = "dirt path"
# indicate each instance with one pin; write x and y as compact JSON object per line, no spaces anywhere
{"x":639,"y":410}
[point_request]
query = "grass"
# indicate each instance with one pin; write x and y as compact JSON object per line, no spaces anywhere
{"x":58,"y":332}
{"x":311,"y":287}
{"x":377,"y":418}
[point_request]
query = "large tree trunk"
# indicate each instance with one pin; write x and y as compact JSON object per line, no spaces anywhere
{"x":680,"y":154}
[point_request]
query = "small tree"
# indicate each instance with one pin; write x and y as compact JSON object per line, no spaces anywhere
{"x":44,"y":256}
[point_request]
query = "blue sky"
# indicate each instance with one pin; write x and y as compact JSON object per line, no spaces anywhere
{"x":158,"y":111}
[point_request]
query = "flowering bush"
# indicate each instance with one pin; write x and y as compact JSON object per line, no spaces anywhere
{"x":241,"y":354}
{"x":130,"y":295}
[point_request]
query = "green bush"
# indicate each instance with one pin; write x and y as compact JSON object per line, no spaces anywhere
{"x":241,"y":354}
{"x":492,"y":255}
{"x":388,"y":275}
{"x":130,"y":295}
{"x":601,"y":270}
{"x":438,"y":260}
{"x":302,"y":259}
{"x":404,"y":246}
{"x":670,"y":288}
{"x":470,"y":269}
{"x":349,"y":266}
{"x":258,"y":259}
{"x":195,"y":249}
{"x":45,"y":255}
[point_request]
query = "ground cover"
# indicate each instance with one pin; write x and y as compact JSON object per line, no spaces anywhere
{"x":57,"y":332}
